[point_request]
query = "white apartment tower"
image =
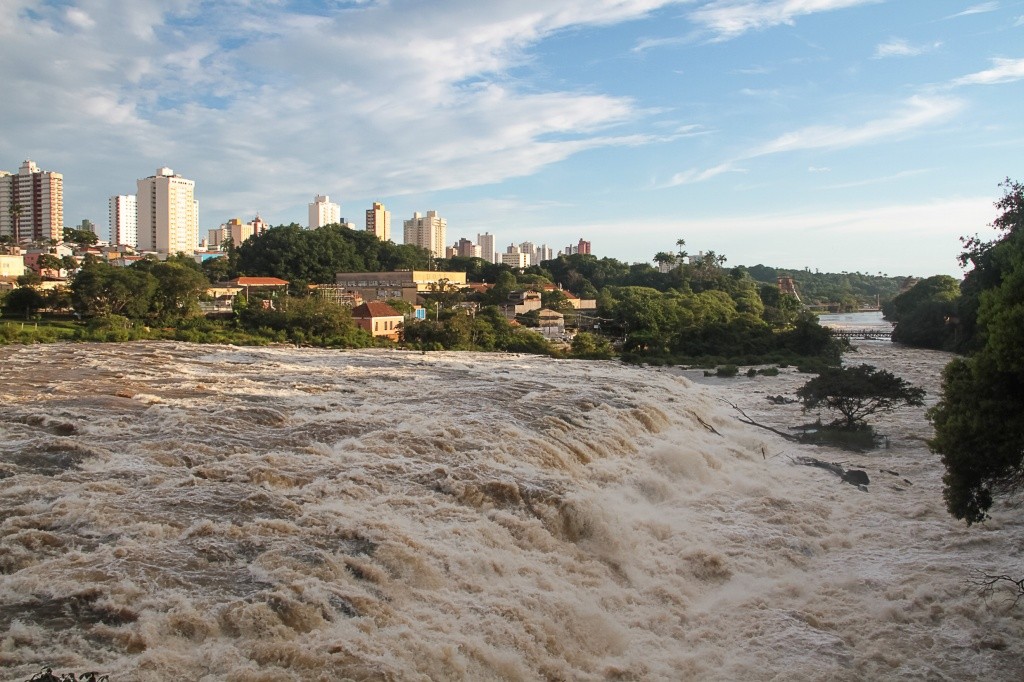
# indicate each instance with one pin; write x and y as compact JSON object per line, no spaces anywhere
{"x":124,"y":220}
{"x":323,"y":212}
{"x":31,"y":204}
{"x":487,"y":252}
{"x":428,"y":232}
{"x":168,"y":213}
{"x":378,"y":221}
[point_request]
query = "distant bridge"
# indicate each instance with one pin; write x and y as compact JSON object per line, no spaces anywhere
{"x":872,"y":334}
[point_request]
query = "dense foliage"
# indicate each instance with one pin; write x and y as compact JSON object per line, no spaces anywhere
{"x":926,"y":314}
{"x":979,"y":421}
{"x":315,"y":256}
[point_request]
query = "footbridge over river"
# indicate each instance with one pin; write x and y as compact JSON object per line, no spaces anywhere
{"x":874,"y":334}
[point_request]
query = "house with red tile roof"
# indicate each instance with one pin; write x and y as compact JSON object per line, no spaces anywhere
{"x":379,"y":319}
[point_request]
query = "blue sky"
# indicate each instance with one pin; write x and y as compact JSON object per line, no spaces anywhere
{"x":859,"y":135}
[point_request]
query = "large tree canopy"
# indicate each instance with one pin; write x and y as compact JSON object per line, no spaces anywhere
{"x":979,"y":421}
{"x":857,"y":393}
{"x":296,"y":254}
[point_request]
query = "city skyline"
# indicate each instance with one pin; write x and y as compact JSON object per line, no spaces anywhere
{"x":860,"y":135}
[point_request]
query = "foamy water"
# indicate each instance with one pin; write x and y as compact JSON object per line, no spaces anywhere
{"x":210,"y":513}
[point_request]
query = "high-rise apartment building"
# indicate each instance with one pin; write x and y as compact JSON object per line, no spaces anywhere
{"x":168,"y":213}
{"x":487,"y":252}
{"x":31,"y":204}
{"x":428,"y":232}
{"x":378,"y":221}
{"x":323,"y":212}
{"x":124,"y":220}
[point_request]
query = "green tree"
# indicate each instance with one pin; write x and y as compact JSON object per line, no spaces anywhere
{"x":80,"y":237}
{"x":979,"y":419}
{"x":25,"y":300}
{"x":925,"y":314}
{"x":48,"y":261}
{"x":857,"y":393}
{"x":179,"y":285}
{"x":101,"y":289}
{"x":591,"y":347}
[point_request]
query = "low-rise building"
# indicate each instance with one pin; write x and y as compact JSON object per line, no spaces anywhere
{"x":405,"y":285}
{"x":380,"y":319}
{"x":12,"y":265}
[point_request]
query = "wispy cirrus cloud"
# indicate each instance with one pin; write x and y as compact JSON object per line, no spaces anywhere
{"x":916,"y":113}
{"x":1002,"y":71}
{"x":980,"y":8}
{"x":728,"y":19}
{"x":897,"y":47}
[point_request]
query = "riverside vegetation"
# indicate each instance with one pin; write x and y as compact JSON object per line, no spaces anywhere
{"x":696,"y":313}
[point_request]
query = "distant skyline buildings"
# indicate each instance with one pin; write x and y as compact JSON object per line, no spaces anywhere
{"x":322,"y":211}
{"x":124,"y":220}
{"x":31,"y":203}
{"x":237,"y":231}
{"x":163,"y":217}
{"x":168,"y":213}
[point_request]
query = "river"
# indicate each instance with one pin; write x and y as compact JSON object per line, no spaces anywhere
{"x":177,"y":511}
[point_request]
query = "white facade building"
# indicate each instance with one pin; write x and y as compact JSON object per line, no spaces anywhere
{"x":323,"y":212}
{"x":428,"y":232}
{"x":378,"y":221}
{"x":124,"y":220}
{"x":168,"y":213}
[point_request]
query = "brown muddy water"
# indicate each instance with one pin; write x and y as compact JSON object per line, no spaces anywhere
{"x":175,"y":511}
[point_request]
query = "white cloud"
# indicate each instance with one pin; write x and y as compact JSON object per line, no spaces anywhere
{"x":1002,"y":71}
{"x":897,"y":47}
{"x":819,"y":169}
{"x":380,"y":99}
{"x":730,"y":18}
{"x":980,"y":8}
{"x":693,"y":175}
{"x":917,"y":112}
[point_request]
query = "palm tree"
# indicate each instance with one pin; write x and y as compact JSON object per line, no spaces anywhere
{"x":16,"y":210}
{"x":681,"y":255}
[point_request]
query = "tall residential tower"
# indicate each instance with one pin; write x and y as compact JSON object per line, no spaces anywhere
{"x":31,"y":204}
{"x":124,"y":220}
{"x":378,"y":221}
{"x":168,"y":213}
{"x":323,"y":212}
{"x":428,"y":232}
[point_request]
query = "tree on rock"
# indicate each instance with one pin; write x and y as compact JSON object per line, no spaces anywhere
{"x":857,"y":393}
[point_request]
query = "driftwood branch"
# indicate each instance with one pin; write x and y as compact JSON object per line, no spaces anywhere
{"x":856,"y":477}
{"x":747,"y":420}
{"x":989,"y":583}
{"x":703,"y":423}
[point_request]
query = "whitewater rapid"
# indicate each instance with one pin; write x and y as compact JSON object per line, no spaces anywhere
{"x":176,"y":511}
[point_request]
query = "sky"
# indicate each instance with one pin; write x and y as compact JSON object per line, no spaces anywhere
{"x":836,"y":135}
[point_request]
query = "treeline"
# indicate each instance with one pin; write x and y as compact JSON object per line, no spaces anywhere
{"x":843,"y":292}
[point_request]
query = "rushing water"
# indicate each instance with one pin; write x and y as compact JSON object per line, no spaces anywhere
{"x":865,"y":320}
{"x":173,"y":511}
